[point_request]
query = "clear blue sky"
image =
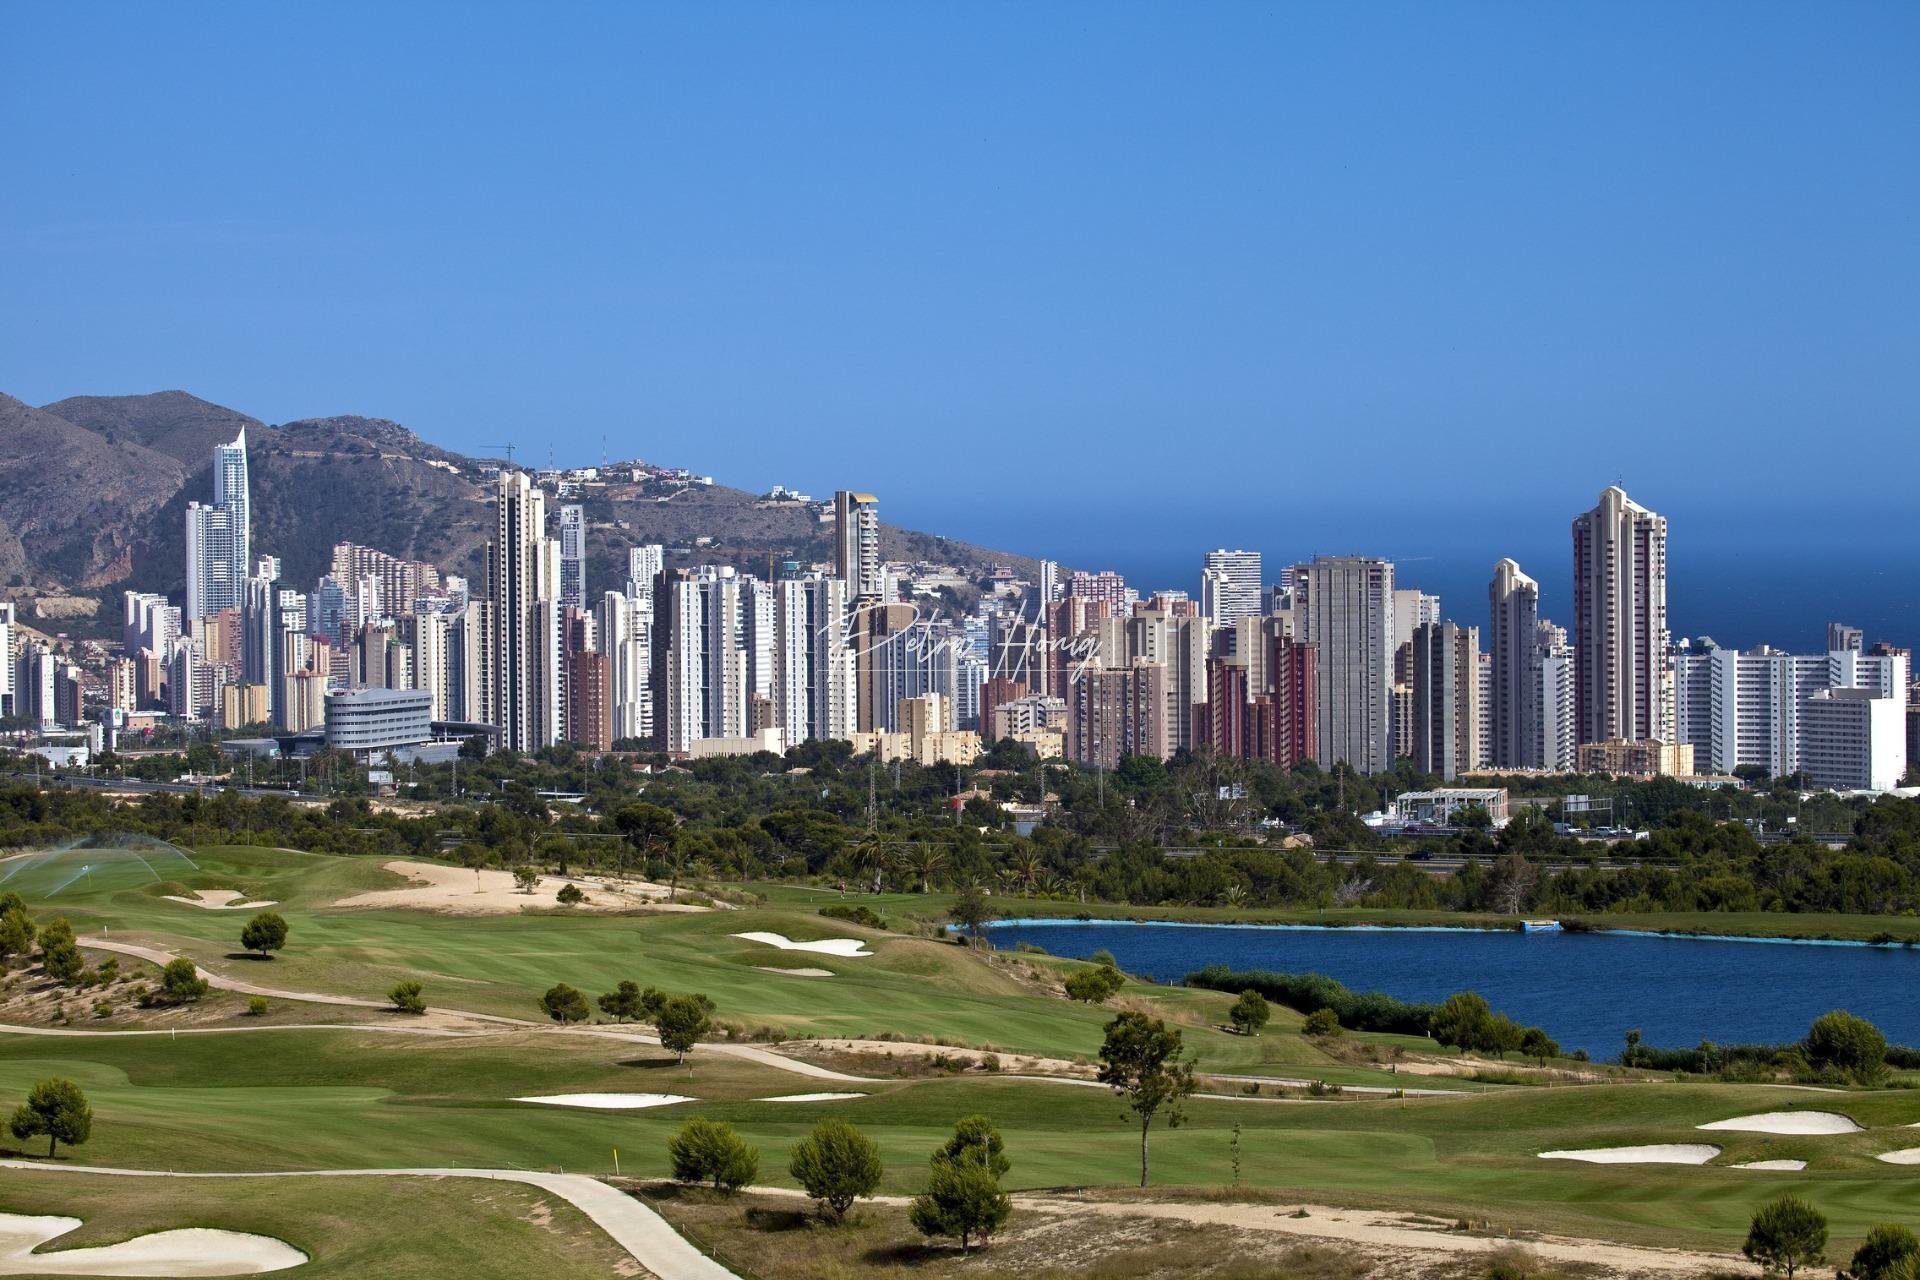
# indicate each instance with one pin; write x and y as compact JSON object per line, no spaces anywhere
{"x":1302,"y":276}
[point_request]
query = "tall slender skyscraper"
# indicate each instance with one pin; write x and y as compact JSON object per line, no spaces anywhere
{"x":1343,"y":606}
{"x":1622,"y":687}
{"x":573,"y":556}
{"x":856,"y":546}
{"x":219,"y":536}
{"x":1513,"y":601}
{"x":523,"y":569}
{"x":1446,"y":699}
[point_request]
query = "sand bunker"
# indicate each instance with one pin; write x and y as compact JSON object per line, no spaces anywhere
{"x":796,"y":973}
{"x":193,"y":1251}
{"x":1788,"y":1122}
{"x":467,"y":891}
{"x":1906,"y":1155}
{"x":825,"y":946}
{"x":1653,"y":1153}
{"x":1784,"y":1166}
{"x":814,"y":1097}
{"x":218,"y":900}
{"x":608,"y":1101}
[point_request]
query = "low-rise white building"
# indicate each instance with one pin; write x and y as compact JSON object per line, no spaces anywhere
{"x":1853,"y":740}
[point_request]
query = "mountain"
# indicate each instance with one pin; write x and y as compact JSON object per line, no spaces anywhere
{"x":93,"y":495}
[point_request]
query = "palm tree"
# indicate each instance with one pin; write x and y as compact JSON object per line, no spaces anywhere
{"x":870,"y":857}
{"x":927,"y":861}
{"x":1026,"y":866}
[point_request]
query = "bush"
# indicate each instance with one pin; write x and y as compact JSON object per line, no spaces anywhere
{"x":406,"y":997}
{"x":59,"y":953}
{"x":570,"y":895}
{"x":265,"y":933}
{"x":181,"y":983}
{"x":1321,"y":1022}
{"x":564,"y":1004}
{"x":710,"y":1151}
{"x":853,"y":913}
{"x":1096,"y":985}
{"x":1250,"y":1013}
{"x":1842,"y":1042}
{"x":836,"y":1164}
{"x":1306,"y":992}
{"x":1888,"y":1254}
{"x":256,"y":1006}
{"x":1786,"y":1234}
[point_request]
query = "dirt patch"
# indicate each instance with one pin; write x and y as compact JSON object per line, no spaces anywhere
{"x":218,"y":900}
{"x":485,"y":891}
{"x":912,"y":1057}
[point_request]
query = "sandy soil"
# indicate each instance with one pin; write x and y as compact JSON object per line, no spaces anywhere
{"x":218,"y":900}
{"x":1019,"y":1063}
{"x":609,"y":1101}
{"x":848,"y":947}
{"x":813,"y":1097}
{"x":485,"y":891}
{"x":1783,"y":1166}
{"x":796,"y":973}
{"x":1652,"y":1153}
{"x":192,"y":1251}
{"x":1787,"y":1122}
{"x":1906,"y":1155}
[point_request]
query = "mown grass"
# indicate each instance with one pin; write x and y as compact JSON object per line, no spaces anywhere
{"x":364,"y":1229}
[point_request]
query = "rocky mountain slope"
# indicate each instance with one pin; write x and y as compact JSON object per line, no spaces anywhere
{"x":93,"y":494}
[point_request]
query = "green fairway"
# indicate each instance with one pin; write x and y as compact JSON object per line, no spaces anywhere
{"x":385,"y":1228}
{"x":320,"y":1099}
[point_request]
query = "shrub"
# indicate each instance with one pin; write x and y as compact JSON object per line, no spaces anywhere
{"x":181,"y":983}
{"x":256,"y":1006}
{"x":59,"y":953}
{"x":1306,"y":992}
{"x":853,"y":913}
{"x":570,"y":895}
{"x":1889,"y":1253}
{"x":710,"y":1151}
{"x":836,"y":1164}
{"x":405,"y":996}
{"x":1851,"y":1045}
{"x":1105,"y":957}
{"x":1321,"y":1022}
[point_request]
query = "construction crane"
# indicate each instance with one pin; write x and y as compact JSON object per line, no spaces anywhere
{"x":508,"y":447}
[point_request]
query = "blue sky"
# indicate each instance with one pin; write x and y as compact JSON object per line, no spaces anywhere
{"x":1307,"y":277}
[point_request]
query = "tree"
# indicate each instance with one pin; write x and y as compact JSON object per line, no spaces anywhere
{"x":570,"y":895}
{"x":1250,"y":1013}
{"x":181,"y":982}
{"x":970,"y":910}
{"x":406,"y":997}
{"x":963,"y":1196}
{"x":1842,"y":1042}
{"x":265,"y":933}
{"x":622,"y":1004}
{"x":525,"y":878}
{"x":710,"y":1151}
{"x":1786,"y":1235}
{"x":1321,"y":1022}
{"x":1889,"y":1253}
{"x":1464,"y":1021}
{"x":836,"y":1164}
{"x":57,"y":1110}
{"x":59,"y":952}
{"x":564,"y":1004}
{"x":16,"y":933}
{"x":1094,"y":986}
{"x":1140,"y":1059}
{"x":1538,"y":1045}
{"x":682,"y":1021}
{"x":652,"y":832}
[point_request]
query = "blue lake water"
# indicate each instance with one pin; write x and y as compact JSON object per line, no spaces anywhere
{"x":1586,"y":989}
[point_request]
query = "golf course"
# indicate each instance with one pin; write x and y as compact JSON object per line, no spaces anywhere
{"x":298,"y":1064}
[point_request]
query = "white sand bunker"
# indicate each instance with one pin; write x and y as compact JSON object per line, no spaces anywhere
{"x":814,"y":1097}
{"x":608,"y":1101}
{"x":1783,"y":1166}
{"x":796,"y":973}
{"x":1788,"y":1122}
{"x":1906,"y":1155}
{"x":825,"y":946}
{"x":193,"y":1251}
{"x":218,"y":900}
{"x":1653,"y":1153}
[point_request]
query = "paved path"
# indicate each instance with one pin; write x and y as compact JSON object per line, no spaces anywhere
{"x":634,"y":1227}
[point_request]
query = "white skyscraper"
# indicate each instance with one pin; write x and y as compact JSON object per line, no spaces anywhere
{"x":643,"y":566}
{"x":1622,"y":684}
{"x":813,"y":677}
{"x":219,"y":537}
{"x":626,"y":627}
{"x":1230,"y":586}
{"x":1513,"y":628}
{"x":523,"y":570}
{"x":856,"y":546}
{"x":573,"y":556}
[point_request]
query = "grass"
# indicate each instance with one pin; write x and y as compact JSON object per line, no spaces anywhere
{"x":353,"y":1229}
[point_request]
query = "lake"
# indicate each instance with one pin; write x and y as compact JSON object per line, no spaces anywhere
{"x":1586,"y":989}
